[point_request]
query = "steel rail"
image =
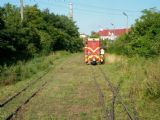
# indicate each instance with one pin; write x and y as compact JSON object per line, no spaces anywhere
{"x":14,"y":113}
{"x":25,"y":88}
{"x":116,"y":95}
{"x":107,"y":115}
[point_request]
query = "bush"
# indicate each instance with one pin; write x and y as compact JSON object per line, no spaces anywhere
{"x":40,"y":32}
{"x":143,"y":38}
{"x":24,"y":70}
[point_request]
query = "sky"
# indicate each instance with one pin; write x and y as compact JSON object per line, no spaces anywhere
{"x":93,"y":15}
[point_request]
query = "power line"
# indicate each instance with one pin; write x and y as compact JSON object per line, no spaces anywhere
{"x":105,"y":8}
{"x":102,"y":10}
{"x":99,"y":12}
{"x":102,"y":7}
{"x":82,"y":6}
{"x":84,"y":10}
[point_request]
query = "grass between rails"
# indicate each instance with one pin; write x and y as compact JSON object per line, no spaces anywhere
{"x":140,"y":84}
{"x":16,"y":77}
{"x":70,"y":95}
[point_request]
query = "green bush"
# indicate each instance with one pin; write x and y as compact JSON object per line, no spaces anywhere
{"x":24,"y":70}
{"x":143,"y":38}
{"x":40,"y":32}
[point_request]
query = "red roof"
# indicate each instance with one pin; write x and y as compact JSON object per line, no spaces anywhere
{"x":116,"y":32}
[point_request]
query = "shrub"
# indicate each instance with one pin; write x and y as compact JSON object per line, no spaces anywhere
{"x":143,"y":38}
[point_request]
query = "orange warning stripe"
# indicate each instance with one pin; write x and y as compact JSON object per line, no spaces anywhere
{"x":92,"y":49}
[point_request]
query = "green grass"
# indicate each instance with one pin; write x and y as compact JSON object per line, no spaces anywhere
{"x":70,"y":95}
{"x":25,"y":70}
{"x":140,"y":82}
{"x":71,"y":92}
{"x":26,"y":73}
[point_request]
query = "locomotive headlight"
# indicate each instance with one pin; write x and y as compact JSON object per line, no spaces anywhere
{"x":94,"y":59}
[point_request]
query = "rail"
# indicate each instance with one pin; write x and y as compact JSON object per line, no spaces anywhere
{"x":116,"y":95}
{"x":25,"y":88}
{"x":109,"y":113}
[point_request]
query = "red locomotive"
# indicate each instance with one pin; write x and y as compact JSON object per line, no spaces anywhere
{"x":93,"y":52}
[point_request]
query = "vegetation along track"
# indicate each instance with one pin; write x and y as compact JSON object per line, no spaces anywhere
{"x":109,"y":107}
{"x":37,"y":84}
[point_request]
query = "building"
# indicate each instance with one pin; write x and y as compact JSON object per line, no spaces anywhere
{"x":111,"y":34}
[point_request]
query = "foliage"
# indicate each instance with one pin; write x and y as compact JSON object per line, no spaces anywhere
{"x":41,"y":32}
{"x":138,"y":79}
{"x":25,"y":70}
{"x":94,"y":35}
{"x":104,"y":43}
{"x":143,"y":38}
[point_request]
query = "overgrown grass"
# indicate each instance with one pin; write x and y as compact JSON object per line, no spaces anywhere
{"x":25,"y":70}
{"x":140,"y":80}
{"x":70,"y":94}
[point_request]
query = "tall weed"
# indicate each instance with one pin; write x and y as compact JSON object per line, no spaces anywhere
{"x":140,"y":84}
{"x":24,"y":70}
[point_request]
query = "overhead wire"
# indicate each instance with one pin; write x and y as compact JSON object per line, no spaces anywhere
{"x":106,"y":8}
{"x":100,"y":12}
{"x":80,"y":7}
{"x":83,"y":9}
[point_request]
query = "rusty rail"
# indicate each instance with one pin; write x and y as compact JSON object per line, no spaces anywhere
{"x":25,"y":88}
{"x":116,"y":95}
{"x":25,"y":102}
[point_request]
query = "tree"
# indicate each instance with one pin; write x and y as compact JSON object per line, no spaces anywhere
{"x":143,"y":39}
{"x":94,"y":35}
{"x":40,"y":32}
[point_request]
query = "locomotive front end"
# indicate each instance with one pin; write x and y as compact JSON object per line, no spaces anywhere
{"x":93,"y":52}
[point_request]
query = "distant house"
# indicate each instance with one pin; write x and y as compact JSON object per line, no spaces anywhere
{"x":111,"y":34}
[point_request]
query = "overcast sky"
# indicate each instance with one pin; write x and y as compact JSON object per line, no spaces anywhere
{"x":93,"y":15}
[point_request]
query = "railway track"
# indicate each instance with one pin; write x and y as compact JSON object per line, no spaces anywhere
{"x":106,"y":112}
{"x":19,"y":92}
{"x":25,"y":102}
{"x":38,"y":83}
{"x":109,"y":112}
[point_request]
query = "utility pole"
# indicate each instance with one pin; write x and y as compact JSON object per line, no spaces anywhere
{"x":114,"y":33}
{"x":126,"y":21}
{"x":71,"y":11}
{"x":22,"y":15}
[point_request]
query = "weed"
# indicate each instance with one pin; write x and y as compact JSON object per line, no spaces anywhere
{"x":141,"y":82}
{"x":24,"y":70}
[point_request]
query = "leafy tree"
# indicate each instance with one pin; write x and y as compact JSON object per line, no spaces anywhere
{"x":1,"y":19}
{"x":94,"y":35}
{"x":41,"y":32}
{"x":143,"y":39}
